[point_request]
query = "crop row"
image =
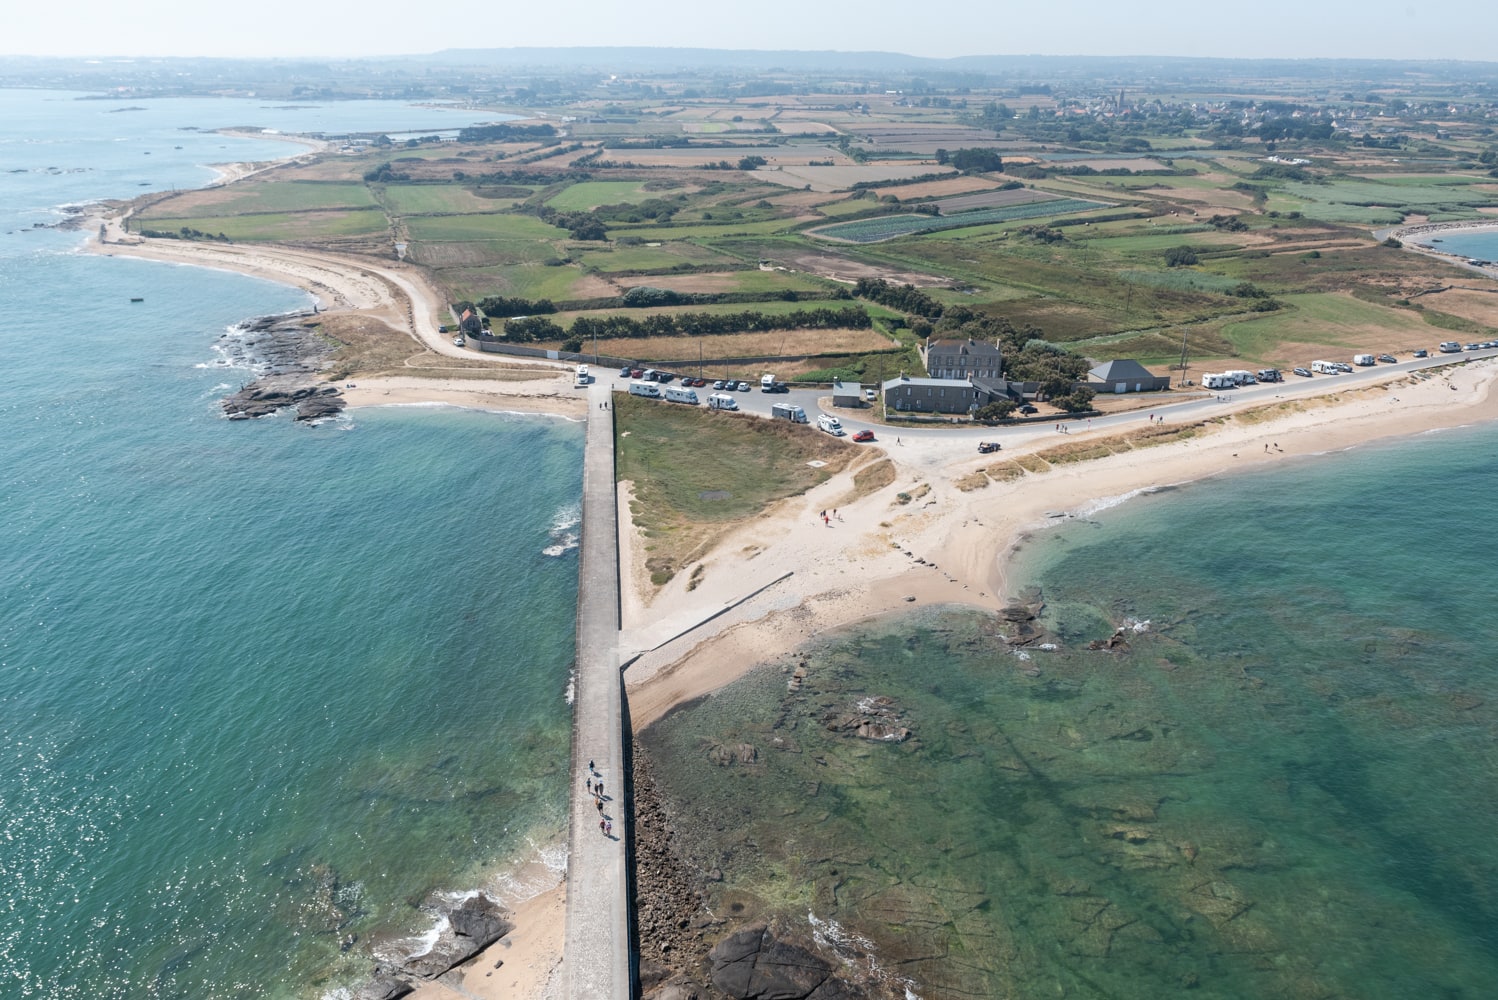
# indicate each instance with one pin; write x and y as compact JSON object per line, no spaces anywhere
{"x":889,"y":226}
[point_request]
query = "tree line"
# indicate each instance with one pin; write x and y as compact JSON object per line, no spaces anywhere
{"x":538,"y":328}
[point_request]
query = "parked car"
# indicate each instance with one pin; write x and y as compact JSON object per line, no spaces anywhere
{"x":637,"y":373}
{"x":1388,"y":359}
{"x":626,"y":371}
{"x":718,"y":384}
{"x":864,"y":435}
{"x":1422,"y":353}
{"x":1304,"y":372}
{"x":985,"y":447}
{"x":870,"y":395}
{"x":1027,"y":409}
{"x":743,"y":387}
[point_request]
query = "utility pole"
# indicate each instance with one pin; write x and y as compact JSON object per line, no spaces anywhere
{"x":1183,"y":358}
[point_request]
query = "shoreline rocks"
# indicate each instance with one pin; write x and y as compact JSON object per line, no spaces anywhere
{"x":288,"y":357}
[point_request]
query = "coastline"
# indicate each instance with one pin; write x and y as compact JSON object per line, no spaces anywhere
{"x":956,"y":548}
{"x":802,"y":578}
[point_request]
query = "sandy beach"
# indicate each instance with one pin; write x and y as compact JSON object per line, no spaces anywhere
{"x":785,"y":575}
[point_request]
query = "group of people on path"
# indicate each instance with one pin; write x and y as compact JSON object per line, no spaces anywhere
{"x":828,"y":519}
{"x":595,"y":789}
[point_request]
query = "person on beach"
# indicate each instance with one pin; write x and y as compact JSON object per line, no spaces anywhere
{"x":599,"y":789}
{"x":590,"y":767}
{"x":599,"y":804}
{"x":603,"y":827}
{"x":590,"y":784}
{"x":608,"y":829}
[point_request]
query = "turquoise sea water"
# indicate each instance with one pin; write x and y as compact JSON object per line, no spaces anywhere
{"x":1285,"y":787}
{"x":264,"y":688}
{"x":1482,"y":245}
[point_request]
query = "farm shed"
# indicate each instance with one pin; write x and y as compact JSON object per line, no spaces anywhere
{"x":1125,"y":375}
{"x":847,"y":394}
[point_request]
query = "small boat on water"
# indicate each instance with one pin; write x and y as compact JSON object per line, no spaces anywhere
{"x":137,"y":298}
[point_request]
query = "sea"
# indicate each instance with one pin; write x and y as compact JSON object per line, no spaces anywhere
{"x":1276,"y":775}
{"x":1481,"y":244}
{"x":269,"y":692}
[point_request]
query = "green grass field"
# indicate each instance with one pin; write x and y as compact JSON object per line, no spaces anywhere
{"x":1331,"y":318}
{"x":440,"y":199}
{"x":704,"y":230}
{"x":482,"y":227}
{"x":283,"y":226}
{"x":267,"y":196}
{"x":590,"y":194}
{"x":695,"y":470}
{"x":527,"y":281}
{"x":610,"y":258}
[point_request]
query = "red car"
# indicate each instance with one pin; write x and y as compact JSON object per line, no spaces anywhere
{"x":864,"y":436}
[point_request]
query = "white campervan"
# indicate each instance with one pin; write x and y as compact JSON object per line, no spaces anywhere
{"x":675,"y":395}
{"x":722,"y":401}
{"x":831,"y":425}
{"x":650,"y":389}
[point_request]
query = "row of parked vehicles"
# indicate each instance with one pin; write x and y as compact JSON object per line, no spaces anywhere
{"x":767,"y":382}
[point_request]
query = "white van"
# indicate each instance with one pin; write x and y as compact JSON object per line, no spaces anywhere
{"x":1363,"y":360}
{"x":1326,"y":368}
{"x":722,"y":401}
{"x":675,"y":395}
{"x":788,"y":411}
{"x":831,"y":425}
{"x":640,"y":388}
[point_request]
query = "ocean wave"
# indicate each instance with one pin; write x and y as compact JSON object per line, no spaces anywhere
{"x":1107,"y":503}
{"x":855,"y":950}
{"x":563,"y":530}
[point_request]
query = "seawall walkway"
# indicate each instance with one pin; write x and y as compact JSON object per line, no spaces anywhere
{"x":596,"y":959}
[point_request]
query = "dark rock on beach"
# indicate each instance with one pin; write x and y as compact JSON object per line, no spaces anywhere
{"x":474,"y":926}
{"x":288,"y":357}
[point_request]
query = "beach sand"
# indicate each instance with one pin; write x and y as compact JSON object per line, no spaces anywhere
{"x":785,"y":576}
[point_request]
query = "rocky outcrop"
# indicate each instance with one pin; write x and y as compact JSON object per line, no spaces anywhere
{"x":263,"y":397}
{"x":472,"y":926}
{"x":753,"y":964}
{"x":288,"y":357}
{"x":383,"y":987}
{"x":872,"y":719}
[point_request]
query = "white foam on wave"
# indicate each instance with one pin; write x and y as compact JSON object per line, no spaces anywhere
{"x":563,"y":533}
{"x":856,"y":950}
{"x":1107,"y":503}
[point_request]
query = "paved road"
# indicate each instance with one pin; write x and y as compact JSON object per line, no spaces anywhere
{"x":596,"y":959}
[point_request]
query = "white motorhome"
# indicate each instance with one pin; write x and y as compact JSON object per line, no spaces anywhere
{"x":788,"y":411}
{"x":766,"y":382}
{"x":675,"y":395}
{"x":1218,"y":381}
{"x":1363,"y":360}
{"x":831,"y":425}
{"x":722,"y":401}
{"x":1326,"y":368}
{"x":639,"y":388}
{"x":583,"y":378}
{"x":1241,"y":377}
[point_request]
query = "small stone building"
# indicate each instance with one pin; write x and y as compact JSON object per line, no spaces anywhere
{"x":1125,"y":375}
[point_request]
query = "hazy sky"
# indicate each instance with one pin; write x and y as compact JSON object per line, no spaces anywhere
{"x":1289,"y":28}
